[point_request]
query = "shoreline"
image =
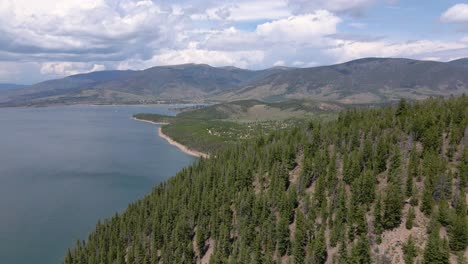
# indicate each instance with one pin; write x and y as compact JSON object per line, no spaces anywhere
{"x":151,"y":122}
{"x":171,"y":141}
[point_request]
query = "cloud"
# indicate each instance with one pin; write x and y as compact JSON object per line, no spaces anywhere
{"x":75,"y":27}
{"x":69,"y":68}
{"x":456,"y":13}
{"x":49,"y":38}
{"x":279,"y":63}
{"x":353,"y":7}
{"x":345,"y":50}
{"x":193,"y":54}
{"x":301,"y":28}
{"x":246,"y":11}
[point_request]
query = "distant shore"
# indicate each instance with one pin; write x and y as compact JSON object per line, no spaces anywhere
{"x":181,"y":147}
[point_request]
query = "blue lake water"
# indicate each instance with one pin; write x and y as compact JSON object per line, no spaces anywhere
{"x":63,"y":168}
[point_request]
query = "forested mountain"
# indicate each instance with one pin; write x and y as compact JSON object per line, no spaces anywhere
{"x":368,"y":80}
{"x":374,"y":186}
{"x":191,"y":82}
{"x":363,"y":81}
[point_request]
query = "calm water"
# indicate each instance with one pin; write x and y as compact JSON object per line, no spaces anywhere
{"x":63,"y":168}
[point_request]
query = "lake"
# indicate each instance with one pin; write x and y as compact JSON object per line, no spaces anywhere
{"x":63,"y":168}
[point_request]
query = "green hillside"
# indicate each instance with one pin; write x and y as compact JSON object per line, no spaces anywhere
{"x":373,"y":186}
{"x":214,"y":127}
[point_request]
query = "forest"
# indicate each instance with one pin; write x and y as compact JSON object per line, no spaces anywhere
{"x":381,"y":185}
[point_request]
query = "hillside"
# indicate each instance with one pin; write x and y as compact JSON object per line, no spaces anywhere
{"x":363,"y":81}
{"x":369,"y":80}
{"x":374,"y":186}
{"x":214,"y":127}
{"x":178,"y":83}
{"x":461,"y":62}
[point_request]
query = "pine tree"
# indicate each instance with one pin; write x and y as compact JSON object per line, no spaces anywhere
{"x":409,"y":249}
{"x":282,"y":234}
{"x":300,"y":238}
{"x":410,"y":218}
{"x":343,"y":253}
{"x":393,"y":206}
{"x":444,"y":213}
{"x":361,"y":253}
{"x":412,"y":171}
{"x":436,"y":250}
{"x":378,"y":224}
{"x":427,"y":200}
{"x":459,"y":233}
{"x":68,"y":257}
{"x":320,"y":248}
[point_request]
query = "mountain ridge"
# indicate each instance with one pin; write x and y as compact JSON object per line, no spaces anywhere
{"x":365,"y":80}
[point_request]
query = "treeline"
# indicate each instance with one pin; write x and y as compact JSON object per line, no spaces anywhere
{"x":326,"y":192}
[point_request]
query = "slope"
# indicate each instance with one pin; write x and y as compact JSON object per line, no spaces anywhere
{"x":190,"y":82}
{"x":214,"y":127}
{"x":374,"y":186}
{"x":369,"y":80}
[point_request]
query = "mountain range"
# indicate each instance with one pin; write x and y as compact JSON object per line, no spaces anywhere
{"x":368,"y":80}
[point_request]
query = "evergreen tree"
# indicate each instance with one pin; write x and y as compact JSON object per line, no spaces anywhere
{"x":320,"y":248}
{"x":282,"y":234}
{"x":409,"y":249}
{"x":378,"y":221}
{"x":410,"y":218}
{"x":459,"y":233}
{"x":300,"y":238}
{"x":361,"y":253}
{"x":436,"y":250}
{"x":393,"y":206}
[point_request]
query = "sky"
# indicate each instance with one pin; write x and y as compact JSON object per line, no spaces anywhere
{"x":48,"y":39}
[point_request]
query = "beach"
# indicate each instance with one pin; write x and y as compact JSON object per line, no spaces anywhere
{"x":181,"y":147}
{"x":151,"y":122}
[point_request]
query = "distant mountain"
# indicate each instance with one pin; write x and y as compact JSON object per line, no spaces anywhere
{"x":189,"y":82}
{"x":9,"y":86}
{"x":363,"y":81}
{"x":461,"y":62}
{"x":369,"y":80}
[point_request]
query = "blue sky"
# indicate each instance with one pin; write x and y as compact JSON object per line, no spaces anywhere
{"x":46,"y":39}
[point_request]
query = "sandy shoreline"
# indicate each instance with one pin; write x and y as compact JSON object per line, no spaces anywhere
{"x":181,"y":147}
{"x":151,"y":122}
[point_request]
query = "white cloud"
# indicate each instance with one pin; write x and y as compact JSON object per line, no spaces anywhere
{"x":57,"y":38}
{"x":246,"y":11}
{"x":301,"y":28}
{"x":456,"y":13}
{"x":75,"y":27}
{"x":193,"y":54}
{"x":348,"y":50}
{"x":279,"y":63}
{"x":69,"y":68}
